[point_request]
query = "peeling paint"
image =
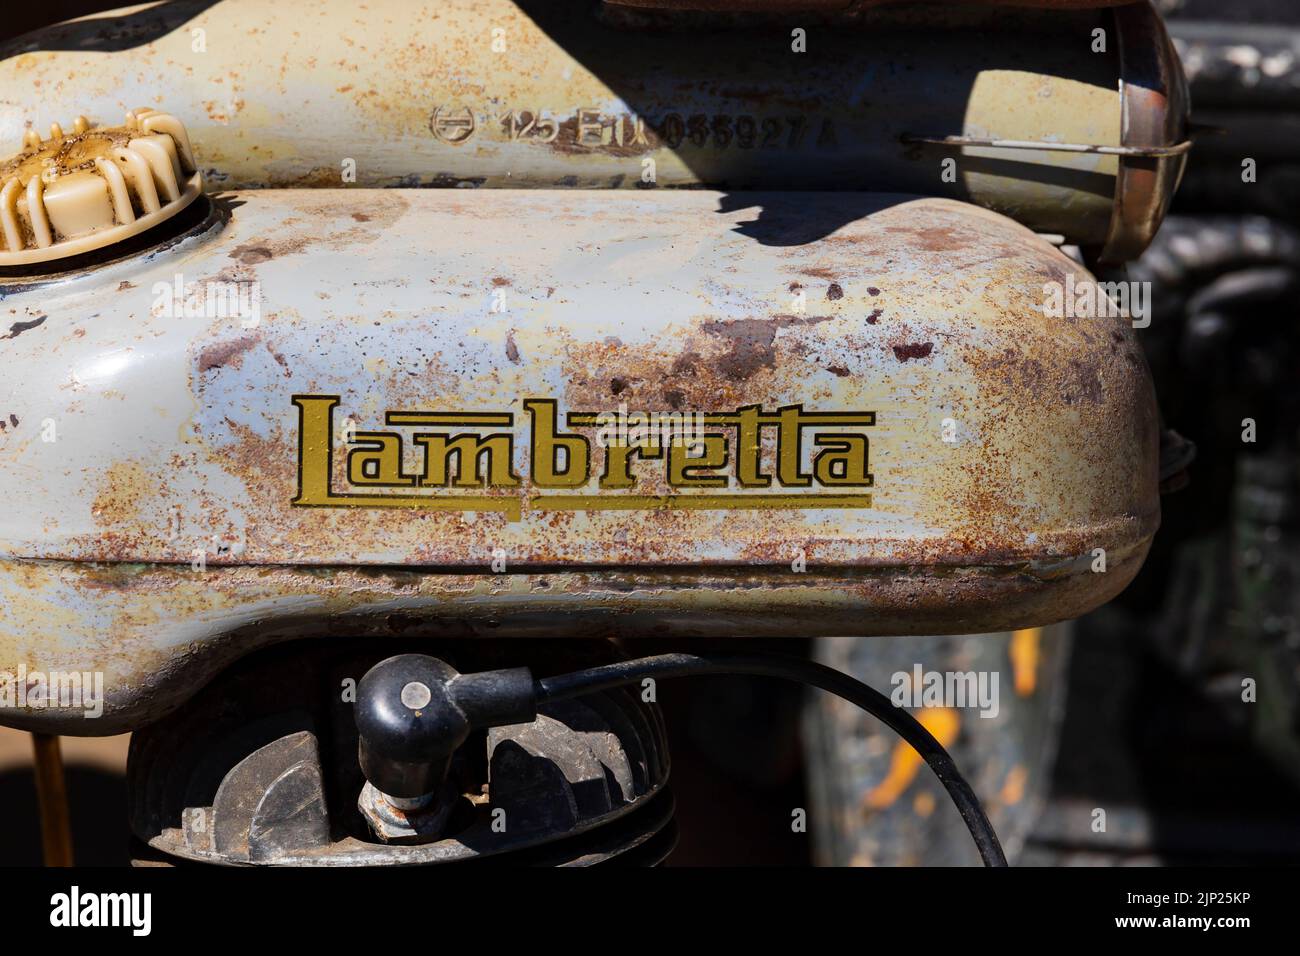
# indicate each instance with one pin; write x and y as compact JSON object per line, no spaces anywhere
{"x":179,"y":435}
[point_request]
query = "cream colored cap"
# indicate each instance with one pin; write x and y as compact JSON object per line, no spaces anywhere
{"x":87,"y":189}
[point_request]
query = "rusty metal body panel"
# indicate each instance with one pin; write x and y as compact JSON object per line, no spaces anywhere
{"x":167,"y":508}
{"x":543,"y":94}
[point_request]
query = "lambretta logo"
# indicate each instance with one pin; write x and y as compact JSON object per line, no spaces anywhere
{"x":75,"y":908}
{"x":720,"y":461}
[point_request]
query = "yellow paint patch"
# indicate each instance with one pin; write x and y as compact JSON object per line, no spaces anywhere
{"x":1025,"y":650}
{"x":905,"y":763}
{"x":1013,"y":788}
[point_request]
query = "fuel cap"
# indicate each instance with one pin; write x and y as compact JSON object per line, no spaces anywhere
{"x":89,"y":188}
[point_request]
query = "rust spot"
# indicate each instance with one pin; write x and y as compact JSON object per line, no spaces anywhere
{"x":874,"y":317}
{"x":818,"y":273}
{"x":124,"y":487}
{"x":936,"y":238}
{"x":225,"y":353}
{"x":1074,"y":383}
{"x":499,"y":281}
{"x":617,"y":385}
{"x":512,"y":350}
{"x":13,"y":420}
{"x":839,"y":370}
{"x":872,"y":290}
{"x":249,"y":254}
{"x":1084,"y":384}
{"x":1027,"y":373}
{"x":124,"y":285}
{"x":279,"y":357}
{"x":834,"y":291}
{"x":684,"y":364}
{"x":752,"y":342}
{"x":913,"y":350}
{"x":360,"y":217}
{"x":18,"y":328}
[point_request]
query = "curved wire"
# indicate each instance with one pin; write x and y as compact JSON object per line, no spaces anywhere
{"x":828,"y":679}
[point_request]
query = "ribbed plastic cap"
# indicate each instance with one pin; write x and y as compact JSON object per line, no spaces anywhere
{"x":90,"y":188}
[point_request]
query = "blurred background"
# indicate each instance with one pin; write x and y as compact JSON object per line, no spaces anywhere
{"x":1135,"y":710}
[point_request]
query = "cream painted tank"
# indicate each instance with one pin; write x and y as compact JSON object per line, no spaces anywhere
{"x":576,"y":413}
{"x":1089,"y":106}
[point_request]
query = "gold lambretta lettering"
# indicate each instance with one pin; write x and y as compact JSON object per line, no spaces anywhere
{"x":467,"y":460}
{"x":376,"y":461}
{"x":548,"y":447}
{"x":480,"y":460}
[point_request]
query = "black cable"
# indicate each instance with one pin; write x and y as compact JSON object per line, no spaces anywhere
{"x":809,"y":672}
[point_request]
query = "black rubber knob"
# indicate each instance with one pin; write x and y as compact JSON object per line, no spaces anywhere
{"x":409,"y":724}
{"x":413,"y":711}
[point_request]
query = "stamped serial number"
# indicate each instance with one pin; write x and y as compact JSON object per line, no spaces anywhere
{"x":597,"y":130}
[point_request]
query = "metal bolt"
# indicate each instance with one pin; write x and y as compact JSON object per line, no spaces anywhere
{"x":416,"y":695}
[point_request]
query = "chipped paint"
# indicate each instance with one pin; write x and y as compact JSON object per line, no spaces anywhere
{"x":178,"y":436}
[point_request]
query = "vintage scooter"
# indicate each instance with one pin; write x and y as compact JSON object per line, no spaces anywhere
{"x":355,"y":500}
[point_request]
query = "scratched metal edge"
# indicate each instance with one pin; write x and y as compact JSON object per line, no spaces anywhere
{"x":159,"y":633}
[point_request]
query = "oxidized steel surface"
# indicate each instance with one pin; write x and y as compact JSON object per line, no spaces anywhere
{"x":1006,"y":445}
{"x":159,"y":632}
{"x":176,"y":432}
{"x":544,"y":94}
